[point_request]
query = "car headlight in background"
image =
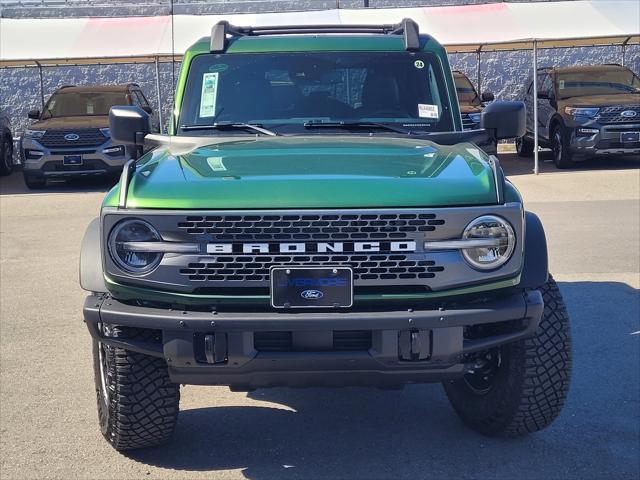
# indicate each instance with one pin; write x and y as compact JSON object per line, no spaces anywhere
{"x":106,"y":132}
{"x":495,"y":243}
{"x":581,"y":112}
{"x":33,"y":133}
{"x":475,"y":117}
{"x":115,"y":151}
{"x":129,"y":246}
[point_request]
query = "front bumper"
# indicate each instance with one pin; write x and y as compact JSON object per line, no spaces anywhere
{"x":50,"y":164}
{"x":405,"y":346}
{"x":607,"y":140}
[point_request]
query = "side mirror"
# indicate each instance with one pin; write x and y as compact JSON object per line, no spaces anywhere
{"x":543,"y":96}
{"x":487,"y":97}
{"x":505,"y":119}
{"x":148,"y":109}
{"x":129,"y":125}
{"x":34,"y":114}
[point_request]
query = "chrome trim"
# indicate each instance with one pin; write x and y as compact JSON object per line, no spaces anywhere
{"x":465,"y":243}
{"x":161,"y":247}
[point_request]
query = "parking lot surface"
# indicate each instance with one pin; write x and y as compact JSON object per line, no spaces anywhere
{"x":48,"y":420}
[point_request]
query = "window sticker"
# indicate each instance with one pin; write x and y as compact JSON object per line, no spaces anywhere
{"x":208,"y":95}
{"x":561,"y":84}
{"x":89,"y":108}
{"x":428,"y":111}
{"x":216,"y":164}
{"x":218,"y":67}
{"x":418,"y":64}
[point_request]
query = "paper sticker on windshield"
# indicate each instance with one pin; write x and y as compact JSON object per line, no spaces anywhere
{"x":208,"y":95}
{"x":561,"y":84}
{"x":428,"y":111}
{"x":216,"y":164}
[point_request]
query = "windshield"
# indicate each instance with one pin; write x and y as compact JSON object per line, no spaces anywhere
{"x":465,"y":89}
{"x":73,"y":104}
{"x":285,"y":91}
{"x":603,"y":82}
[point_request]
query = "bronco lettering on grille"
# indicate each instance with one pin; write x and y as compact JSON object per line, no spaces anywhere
{"x":308,"y":247}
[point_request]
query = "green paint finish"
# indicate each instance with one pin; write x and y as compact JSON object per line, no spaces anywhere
{"x":313,"y":172}
{"x":126,"y":292}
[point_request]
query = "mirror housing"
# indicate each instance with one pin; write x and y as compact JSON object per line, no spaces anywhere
{"x":543,"y":96}
{"x":34,"y":114}
{"x":129,"y":125}
{"x":487,"y":97}
{"x":505,"y":119}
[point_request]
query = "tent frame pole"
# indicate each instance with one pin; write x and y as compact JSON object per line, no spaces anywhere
{"x":624,"y":50}
{"x":536,"y":169}
{"x":478,"y":67}
{"x":41,"y":85}
{"x":161,"y":123}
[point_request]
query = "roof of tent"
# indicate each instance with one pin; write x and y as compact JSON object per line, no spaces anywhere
{"x":468,"y":28}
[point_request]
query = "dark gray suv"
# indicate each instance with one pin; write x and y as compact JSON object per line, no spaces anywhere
{"x":584,"y":112}
{"x":70,"y":137}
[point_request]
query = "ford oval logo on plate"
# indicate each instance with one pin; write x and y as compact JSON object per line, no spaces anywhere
{"x":629,"y":114}
{"x":72,"y":137}
{"x":312,"y":294}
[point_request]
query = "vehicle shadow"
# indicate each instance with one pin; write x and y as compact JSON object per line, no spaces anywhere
{"x":14,"y":185}
{"x":414,"y":433}
{"x":514,"y":165}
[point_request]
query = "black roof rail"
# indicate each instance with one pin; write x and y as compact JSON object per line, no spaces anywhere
{"x":407,"y":28}
{"x":65,"y":86}
{"x":133,"y":84}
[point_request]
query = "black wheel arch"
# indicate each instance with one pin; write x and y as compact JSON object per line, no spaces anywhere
{"x":535,"y":271}
{"x":91,"y":276}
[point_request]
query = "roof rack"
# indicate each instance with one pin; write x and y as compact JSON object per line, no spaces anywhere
{"x":65,"y":86}
{"x":407,"y":28}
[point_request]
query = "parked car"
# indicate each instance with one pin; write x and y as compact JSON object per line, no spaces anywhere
{"x":6,"y":145}
{"x":70,"y":137}
{"x":471,"y":104}
{"x":584,"y":112}
{"x":317,"y":216}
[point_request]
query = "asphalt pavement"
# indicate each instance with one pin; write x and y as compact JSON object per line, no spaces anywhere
{"x":48,"y":420}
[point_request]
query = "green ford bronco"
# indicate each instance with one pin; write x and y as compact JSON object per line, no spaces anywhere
{"x":318,"y":217}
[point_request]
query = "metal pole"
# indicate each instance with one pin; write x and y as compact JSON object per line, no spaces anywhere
{"x":624,"y":48}
{"x":41,"y":86}
{"x":478,"y":67}
{"x":535,"y":107}
{"x":158,"y":93}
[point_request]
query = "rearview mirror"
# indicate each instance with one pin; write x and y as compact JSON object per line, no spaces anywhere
{"x":34,"y":114}
{"x":505,"y":119}
{"x":487,"y":97}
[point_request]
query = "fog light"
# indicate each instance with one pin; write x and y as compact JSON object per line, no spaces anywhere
{"x":587,"y":132}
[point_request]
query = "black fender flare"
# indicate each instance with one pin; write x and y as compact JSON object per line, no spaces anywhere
{"x":535,"y":271}
{"x":91,"y":276}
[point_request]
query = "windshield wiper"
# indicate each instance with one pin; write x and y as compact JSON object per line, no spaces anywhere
{"x":230,"y":126}
{"x":355,"y":126}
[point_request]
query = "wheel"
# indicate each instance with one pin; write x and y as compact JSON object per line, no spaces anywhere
{"x":33,"y":182}
{"x":524,"y":147}
{"x":137,"y":403}
{"x":560,"y":146}
{"x":520,"y":387}
{"x":6,"y":155}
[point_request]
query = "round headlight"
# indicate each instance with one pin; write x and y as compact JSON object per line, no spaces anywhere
{"x":501,"y":242}
{"x":129,"y":259}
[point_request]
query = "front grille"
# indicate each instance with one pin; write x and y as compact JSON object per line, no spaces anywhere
{"x":283,"y":341}
{"x":311,"y":227}
{"x":243,"y":268}
{"x":88,"y":137}
{"x":613,"y":114}
{"x":467,"y":123}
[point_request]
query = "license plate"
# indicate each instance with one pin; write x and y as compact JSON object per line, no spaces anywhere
{"x":311,"y":287}
{"x":72,"y":160}
{"x":630,"y":137}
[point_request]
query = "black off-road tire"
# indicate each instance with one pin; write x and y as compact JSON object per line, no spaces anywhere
{"x":529,"y":388}
{"x":140,"y":406}
{"x":524,"y":147}
{"x":6,"y":154}
{"x":562,"y":156}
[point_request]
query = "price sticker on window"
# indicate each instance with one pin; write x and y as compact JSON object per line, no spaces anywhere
{"x":428,"y":111}
{"x":208,"y":94}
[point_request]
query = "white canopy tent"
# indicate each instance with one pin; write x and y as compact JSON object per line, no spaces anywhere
{"x":468,"y":28}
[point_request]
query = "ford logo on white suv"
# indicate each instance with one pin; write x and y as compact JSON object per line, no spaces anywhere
{"x":72,"y":137}
{"x":312,"y":294}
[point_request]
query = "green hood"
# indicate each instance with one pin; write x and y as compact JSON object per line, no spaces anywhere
{"x":313,"y":172}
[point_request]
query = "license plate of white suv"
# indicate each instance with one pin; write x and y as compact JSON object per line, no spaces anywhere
{"x":630,"y":137}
